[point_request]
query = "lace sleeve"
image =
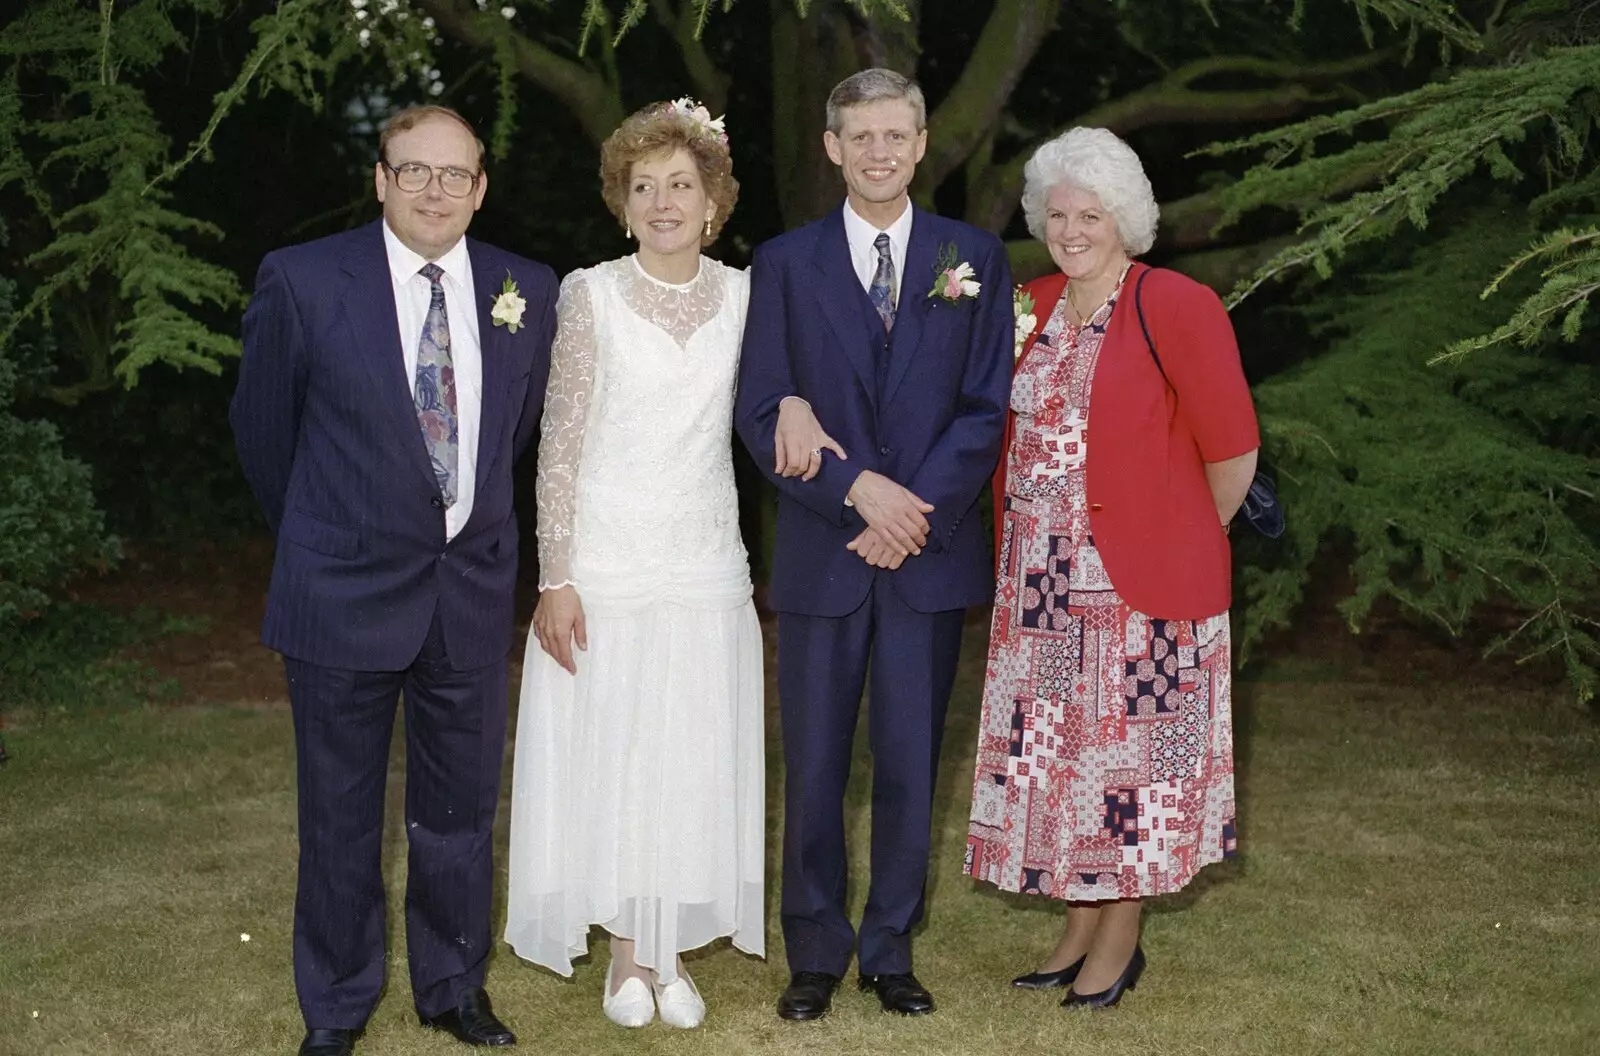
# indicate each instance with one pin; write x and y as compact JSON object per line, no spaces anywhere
{"x":566,"y":410}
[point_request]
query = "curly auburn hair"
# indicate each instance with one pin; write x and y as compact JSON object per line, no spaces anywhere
{"x":656,"y":130}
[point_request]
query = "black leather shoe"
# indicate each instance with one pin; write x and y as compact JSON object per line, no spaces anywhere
{"x":473,"y":1022}
{"x":809,"y":996}
{"x":899,"y":993}
{"x":1050,"y":980}
{"x":320,"y":1041}
{"x":1112,"y":994}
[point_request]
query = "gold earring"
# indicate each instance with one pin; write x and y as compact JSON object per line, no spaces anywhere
{"x":708,"y":227}
{"x":628,"y":226}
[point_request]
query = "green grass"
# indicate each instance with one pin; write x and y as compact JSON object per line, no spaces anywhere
{"x":1419,"y":875}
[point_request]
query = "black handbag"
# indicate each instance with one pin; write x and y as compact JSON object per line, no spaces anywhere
{"x":1261,"y":508}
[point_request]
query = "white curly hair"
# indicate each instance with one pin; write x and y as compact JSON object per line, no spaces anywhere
{"x":1094,"y":160}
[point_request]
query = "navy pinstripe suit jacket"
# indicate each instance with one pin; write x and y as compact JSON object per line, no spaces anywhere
{"x":327,"y":435}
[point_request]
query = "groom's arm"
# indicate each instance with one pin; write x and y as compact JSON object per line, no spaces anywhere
{"x":267,"y":402}
{"x":962,"y":460}
{"x":765,"y":380}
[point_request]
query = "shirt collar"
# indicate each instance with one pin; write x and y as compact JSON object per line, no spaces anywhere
{"x":404,"y":262}
{"x":862,"y":233}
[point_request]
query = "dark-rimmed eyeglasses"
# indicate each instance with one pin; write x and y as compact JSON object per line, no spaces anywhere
{"x":413,"y":176}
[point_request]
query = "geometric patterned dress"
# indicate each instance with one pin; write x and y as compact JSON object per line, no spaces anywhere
{"x":1105,"y":750}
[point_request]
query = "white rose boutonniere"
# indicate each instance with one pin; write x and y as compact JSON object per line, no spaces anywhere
{"x":509,"y":306}
{"x":953,"y":281}
{"x":1022,"y":305}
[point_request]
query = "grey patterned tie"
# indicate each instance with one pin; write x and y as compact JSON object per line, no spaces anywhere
{"x":436,"y":389}
{"x":882,"y":289}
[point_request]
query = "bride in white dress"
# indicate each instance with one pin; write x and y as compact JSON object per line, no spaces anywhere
{"x":637,"y":796}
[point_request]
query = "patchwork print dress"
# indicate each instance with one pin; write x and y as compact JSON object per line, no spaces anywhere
{"x":1105,"y":755}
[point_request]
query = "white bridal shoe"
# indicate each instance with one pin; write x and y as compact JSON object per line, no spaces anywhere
{"x":631,"y":1005}
{"x":681,"y":1003}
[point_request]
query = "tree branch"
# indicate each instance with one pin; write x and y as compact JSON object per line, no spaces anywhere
{"x":1010,"y":39}
{"x":710,"y":83}
{"x":591,"y":97}
{"x":1175,"y":101}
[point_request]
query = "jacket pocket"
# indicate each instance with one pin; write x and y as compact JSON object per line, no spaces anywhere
{"x":313,"y":533}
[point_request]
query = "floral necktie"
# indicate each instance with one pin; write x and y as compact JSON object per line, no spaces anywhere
{"x":882,"y":289}
{"x":436,"y":388}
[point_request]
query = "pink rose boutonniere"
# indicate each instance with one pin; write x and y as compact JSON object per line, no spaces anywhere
{"x":953,"y":277}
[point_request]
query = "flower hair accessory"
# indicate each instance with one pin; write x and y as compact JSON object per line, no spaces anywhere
{"x":715,"y":127}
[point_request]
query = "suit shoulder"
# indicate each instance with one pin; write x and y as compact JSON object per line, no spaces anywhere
{"x":311,"y":258}
{"x":965,"y":234}
{"x":790,"y":242}
{"x":525,"y":268}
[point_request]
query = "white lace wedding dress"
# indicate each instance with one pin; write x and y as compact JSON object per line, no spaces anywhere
{"x":637,"y":795}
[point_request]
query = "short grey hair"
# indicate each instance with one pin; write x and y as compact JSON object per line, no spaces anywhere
{"x":869,"y":86}
{"x":1093,"y":160}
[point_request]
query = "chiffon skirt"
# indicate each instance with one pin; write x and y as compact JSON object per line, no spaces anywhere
{"x":638,"y":788}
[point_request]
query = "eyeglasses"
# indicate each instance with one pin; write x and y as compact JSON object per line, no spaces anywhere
{"x":413,"y":176}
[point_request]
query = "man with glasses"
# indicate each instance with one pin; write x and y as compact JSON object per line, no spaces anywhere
{"x":382,"y":399}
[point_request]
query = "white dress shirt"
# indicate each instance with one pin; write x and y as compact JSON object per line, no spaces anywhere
{"x":864,"y":255}
{"x":412,"y":294}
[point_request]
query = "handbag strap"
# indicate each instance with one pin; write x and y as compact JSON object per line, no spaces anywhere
{"x":1138,"y":306}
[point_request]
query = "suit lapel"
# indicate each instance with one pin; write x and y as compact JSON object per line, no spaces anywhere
{"x":843,"y":302}
{"x":492,"y":341}
{"x":911,"y":312}
{"x":375,"y":338}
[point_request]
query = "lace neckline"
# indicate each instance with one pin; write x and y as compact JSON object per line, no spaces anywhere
{"x":663,"y":283}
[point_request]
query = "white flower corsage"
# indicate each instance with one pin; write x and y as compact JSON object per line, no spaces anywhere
{"x":953,"y":281}
{"x":509,"y":306}
{"x":1022,"y":305}
{"x":715,"y":127}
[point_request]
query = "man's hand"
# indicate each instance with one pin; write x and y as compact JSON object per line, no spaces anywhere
{"x":800,"y":441}
{"x":876,"y":551}
{"x":893,"y":511}
{"x":558,"y":622}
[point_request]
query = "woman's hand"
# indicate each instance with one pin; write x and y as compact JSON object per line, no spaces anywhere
{"x":558,"y":622}
{"x":800,"y":441}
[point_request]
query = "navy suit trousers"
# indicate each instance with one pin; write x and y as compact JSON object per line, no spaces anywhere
{"x":822,"y":668}
{"x":455,"y":724}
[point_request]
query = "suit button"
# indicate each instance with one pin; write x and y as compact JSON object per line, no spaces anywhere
{"x":1095,"y":507}
{"x":436,"y":502}
{"x":883,"y":450}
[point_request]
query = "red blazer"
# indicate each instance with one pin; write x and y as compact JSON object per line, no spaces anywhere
{"x":1150,"y":509}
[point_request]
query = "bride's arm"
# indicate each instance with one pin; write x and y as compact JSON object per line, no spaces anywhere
{"x":558,"y":621}
{"x":566,"y":411}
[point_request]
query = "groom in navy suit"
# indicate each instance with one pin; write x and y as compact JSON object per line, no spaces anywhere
{"x":387,"y":386}
{"x":878,"y":411}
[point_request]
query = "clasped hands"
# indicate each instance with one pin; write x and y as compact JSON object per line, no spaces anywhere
{"x":897,"y":525}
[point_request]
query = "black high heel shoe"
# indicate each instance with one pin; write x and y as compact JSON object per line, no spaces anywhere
{"x":1112,"y":994}
{"x":1050,"y":980}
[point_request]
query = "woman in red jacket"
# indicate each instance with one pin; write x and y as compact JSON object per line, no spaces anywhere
{"x":1105,"y":755}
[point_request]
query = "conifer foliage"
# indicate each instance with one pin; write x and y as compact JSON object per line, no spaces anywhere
{"x":1451,"y":439}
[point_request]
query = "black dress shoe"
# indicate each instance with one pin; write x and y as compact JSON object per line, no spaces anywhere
{"x":472,"y":1021}
{"x":809,"y":996}
{"x":1050,"y":980}
{"x":899,"y":993}
{"x":1112,"y":994}
{"x":320,"y":1041}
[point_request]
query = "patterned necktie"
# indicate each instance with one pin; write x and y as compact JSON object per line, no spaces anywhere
{"x":882,"y":289}
{"x":436,"y":388}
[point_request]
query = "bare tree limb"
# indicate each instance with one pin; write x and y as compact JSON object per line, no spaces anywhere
{"x":1010,"y":39}
{"x":684,"y":23}
{"x":1174,"y":100}
{"x":593,"y":98}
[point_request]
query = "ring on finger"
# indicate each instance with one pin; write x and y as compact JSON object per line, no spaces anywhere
{"x":816,"y":452}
